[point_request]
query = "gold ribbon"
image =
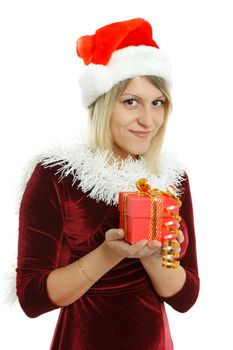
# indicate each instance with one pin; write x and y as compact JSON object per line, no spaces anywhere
{"x":144,"y":189}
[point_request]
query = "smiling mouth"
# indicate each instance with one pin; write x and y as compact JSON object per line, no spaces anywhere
{"x":141,"y":134}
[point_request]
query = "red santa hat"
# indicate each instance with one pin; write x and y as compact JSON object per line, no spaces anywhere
{"x":116,"y":52}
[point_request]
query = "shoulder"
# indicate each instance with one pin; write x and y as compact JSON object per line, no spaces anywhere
{"x":57,"y":158}
{"x":43,"y":170}
{"x":36,"y":182}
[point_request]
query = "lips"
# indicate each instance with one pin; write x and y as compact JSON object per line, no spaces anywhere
{"x":141,"y":134}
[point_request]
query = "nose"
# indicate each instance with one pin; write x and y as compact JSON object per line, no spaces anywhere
{"x":145,"y":117}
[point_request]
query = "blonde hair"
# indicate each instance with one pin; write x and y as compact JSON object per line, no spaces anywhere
{"x":99,"y":122}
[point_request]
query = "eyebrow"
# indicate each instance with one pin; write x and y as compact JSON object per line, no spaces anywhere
{"x":156,"y":98}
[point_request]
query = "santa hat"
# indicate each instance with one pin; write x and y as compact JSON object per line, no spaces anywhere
{"x":116,"y":52}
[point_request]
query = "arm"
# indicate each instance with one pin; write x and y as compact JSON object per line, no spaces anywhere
{"x":179,"y":288}
{"x":166,"y":282}
{"x":67,"y":284}
{"x":41,"y":284}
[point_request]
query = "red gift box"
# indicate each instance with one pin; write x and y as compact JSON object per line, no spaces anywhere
{"x":148,"y":214}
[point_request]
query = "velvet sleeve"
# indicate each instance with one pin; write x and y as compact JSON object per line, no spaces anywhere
{"x":41,"y":219}
{"x":184,"y":299}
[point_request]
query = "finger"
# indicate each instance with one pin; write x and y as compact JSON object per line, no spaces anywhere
{"x":180,"y":237}
{"x":176,"y":250}
{"x":136,"y":247}
{"x":171,"y":248}
{"x":113,"y":234}
{"x":154,"y":244}
{"x":152,"y":247}
{"x":147,"y":248}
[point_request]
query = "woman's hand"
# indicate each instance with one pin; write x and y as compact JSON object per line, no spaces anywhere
{"x":116,"y":246}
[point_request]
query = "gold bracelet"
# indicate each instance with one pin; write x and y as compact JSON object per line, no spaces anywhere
{"x":83,"y":271}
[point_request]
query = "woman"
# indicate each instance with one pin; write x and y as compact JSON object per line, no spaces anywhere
{"x":71,"y":253}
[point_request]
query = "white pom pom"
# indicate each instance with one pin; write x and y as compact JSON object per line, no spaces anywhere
{"x":94,"y":81}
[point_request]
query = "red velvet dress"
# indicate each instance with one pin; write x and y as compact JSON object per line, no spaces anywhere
{"x":58,"y":224}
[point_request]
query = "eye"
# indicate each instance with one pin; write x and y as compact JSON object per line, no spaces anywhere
{"x":158,"y":103}
{"x":130,"y":102}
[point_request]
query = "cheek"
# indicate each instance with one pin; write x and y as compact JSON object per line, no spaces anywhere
{"x":118,"y":134}
{"x":118,"y":123}
{"x":160,"y":119}
{"x":116,"y":129}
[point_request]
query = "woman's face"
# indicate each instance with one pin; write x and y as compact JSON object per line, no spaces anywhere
{"x":136,"y":117}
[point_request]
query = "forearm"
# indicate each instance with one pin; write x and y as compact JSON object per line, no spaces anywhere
{"x":67,"y":284}
{"x":166,"y":282}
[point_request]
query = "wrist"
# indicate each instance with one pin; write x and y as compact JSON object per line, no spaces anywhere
{"x":153,"y":258}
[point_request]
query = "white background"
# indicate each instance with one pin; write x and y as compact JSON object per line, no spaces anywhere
{"x":40,"y":103}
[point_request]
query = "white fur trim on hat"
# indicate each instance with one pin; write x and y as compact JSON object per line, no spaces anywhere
{"x":131,"y":61}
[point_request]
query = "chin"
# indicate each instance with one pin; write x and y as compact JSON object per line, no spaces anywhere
{"x":139,"y":151}
{"x":132,"y":149}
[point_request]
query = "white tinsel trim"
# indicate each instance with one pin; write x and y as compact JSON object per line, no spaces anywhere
{"x":91,"y":172}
